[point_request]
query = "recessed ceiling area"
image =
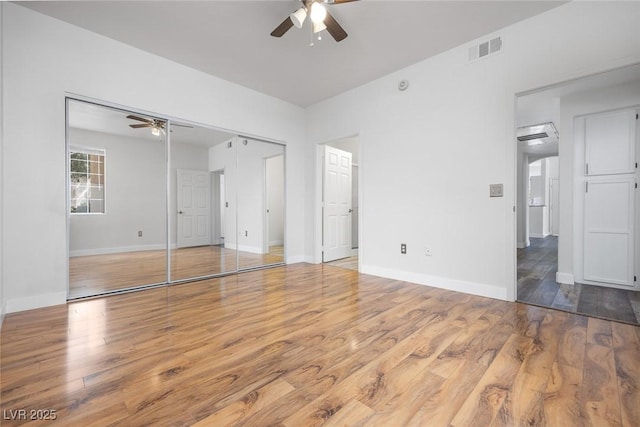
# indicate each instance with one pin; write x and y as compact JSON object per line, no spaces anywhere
{"x":230,"y":39}
{"x":545,"y":105}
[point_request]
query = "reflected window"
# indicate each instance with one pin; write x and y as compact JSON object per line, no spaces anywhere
{"x":86,"y":172}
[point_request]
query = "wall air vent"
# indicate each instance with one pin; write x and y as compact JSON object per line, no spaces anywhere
{"x":484,"y":49}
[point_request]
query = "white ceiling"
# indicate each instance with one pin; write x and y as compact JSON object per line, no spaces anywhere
{"x":84,"y":115}
{"x":230,"y":39}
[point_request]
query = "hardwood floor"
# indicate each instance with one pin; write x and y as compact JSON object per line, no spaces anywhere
{"x":306,"y":345}
{"x":98,"y":274}
{"x":351,"y":263}
{"x":537,"y":267}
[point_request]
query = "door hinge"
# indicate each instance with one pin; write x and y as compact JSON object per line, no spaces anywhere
{"x":586,"y":187}
{"x":635,"y":279}
{"x":636,"y":185}
{"x":586,"y":168}
{"x":636,"y":116}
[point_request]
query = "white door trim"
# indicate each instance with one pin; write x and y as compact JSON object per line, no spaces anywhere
{"x":317,"y":230}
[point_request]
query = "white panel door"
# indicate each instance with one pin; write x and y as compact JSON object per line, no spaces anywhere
{"x":610,"y":143}
{"x":337,"y":204}
{"x":194,"y":208}
{"x":609,"y":230}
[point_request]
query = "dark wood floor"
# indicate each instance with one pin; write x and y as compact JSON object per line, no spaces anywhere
{"x":308,"y":345}
{"x":537,"y":267}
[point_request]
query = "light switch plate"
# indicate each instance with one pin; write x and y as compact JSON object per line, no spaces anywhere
{"x":495,"y":190}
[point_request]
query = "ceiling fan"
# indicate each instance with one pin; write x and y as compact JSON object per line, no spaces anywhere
{"x":156,"y":125}
{"x":321,"y":19}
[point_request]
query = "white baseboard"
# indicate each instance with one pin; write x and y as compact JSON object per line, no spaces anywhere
{"x":252,"y":249}
{"x":121,"y":249}
{"x":297,"y":259}
{"x":3,"y":310}
{"x":538,"y":236}
{"x":472,"y":288}
{"x":522,"y":245}
{"x":565,"y":278}
{"x":37,"y":301}
{"x":276,"y":243}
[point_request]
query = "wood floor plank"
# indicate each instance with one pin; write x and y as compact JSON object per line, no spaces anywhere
{"x":252,"y":402}
{"x":313,"y":344}
{"x":562,"y":400}
{"x":599,"y":332}
{"x":599,"y":391}
{"x":626,"y":349}
{"x":487,"y":397}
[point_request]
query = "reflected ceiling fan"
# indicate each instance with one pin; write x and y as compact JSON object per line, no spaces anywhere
{"x":156,"y":125}
{"x":320,"y":18}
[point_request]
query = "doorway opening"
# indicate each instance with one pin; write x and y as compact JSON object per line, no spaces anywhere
{"x":568,"y":230}
{"x":339,"y":196}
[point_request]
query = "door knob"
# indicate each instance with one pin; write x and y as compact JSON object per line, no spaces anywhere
{"x":350,"y":210}
{"x":180,"y":212}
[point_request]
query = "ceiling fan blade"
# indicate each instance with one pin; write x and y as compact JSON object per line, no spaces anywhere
{"x":339,"y":1}
{"x":140,"y":119}
{"x":336,"y":31}
{"x":282,"y":28}
{"x":141,"y":125}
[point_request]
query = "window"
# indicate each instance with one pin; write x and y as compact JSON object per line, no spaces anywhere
{"x":86,"y":172}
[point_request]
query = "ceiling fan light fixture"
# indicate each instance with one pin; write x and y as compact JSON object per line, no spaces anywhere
{"x":298,"y":17}
{"x":318,"y":26}
{"x":318,"y":13}
{"x":155,"y":131}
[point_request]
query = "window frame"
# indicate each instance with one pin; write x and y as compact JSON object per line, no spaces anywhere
{"x":88,"y":151}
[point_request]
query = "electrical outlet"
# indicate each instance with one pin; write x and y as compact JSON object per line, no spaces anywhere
{"x":140,"y":233}
{"x":403,"y":248}
{"x":427,"y":251}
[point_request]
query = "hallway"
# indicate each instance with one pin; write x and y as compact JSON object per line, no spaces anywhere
{"x":537,"y":266}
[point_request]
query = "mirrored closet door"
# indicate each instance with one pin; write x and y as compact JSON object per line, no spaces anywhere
{"x":202,"y":202}
{"x":116,"y":199}
{"x":261,"y":207}
{"x":154,"y":201}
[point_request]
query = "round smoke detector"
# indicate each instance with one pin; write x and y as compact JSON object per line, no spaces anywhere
{"x":403,"y":85}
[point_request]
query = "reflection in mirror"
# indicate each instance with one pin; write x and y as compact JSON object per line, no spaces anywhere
{"x":117,"y":199}
{"x":201,"y":161}
{"x":261,"y":184}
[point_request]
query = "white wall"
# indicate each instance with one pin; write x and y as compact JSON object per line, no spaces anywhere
{"x":571,"y":169}
{"x":250,"y":193}
{"x":276,"y":201}
{"x":428,"y":154}
{"x":135,"y":196}
{"x":222,"y":157}
{"x":244,"y":188}
{"x":45,"y":58}
{"x":2,"y":300}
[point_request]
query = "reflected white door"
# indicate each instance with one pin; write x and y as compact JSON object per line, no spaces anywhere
{"x":193,"y":208}
{"x":337,"y":204}
{"x":609,"y":230}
